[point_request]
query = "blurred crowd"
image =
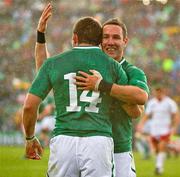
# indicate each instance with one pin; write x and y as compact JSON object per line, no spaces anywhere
{"x":153,"y":32}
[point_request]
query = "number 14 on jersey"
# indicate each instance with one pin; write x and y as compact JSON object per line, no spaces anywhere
{"x":93,"y":100}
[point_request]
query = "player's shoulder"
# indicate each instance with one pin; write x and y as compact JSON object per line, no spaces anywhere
{"x":56,"y":58}
{"x":125,"y":63}
{"x":152,"y":101}
{"x":169,"y":99}
{"x":61,"y":55}
{"x":135,"y":69}
{"x":135,"y":74}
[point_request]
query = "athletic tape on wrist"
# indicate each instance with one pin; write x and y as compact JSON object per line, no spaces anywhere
{"x":30,"y":138}
{"x":96,"y":88}
{"x":105,"y":86}
{"x":98,"y":75}
{"x":41,"y":37}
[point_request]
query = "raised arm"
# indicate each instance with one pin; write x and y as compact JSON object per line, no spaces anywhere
{"x":41,"y":51}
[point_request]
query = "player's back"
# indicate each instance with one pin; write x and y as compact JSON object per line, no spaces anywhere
{"x":81,"y":113}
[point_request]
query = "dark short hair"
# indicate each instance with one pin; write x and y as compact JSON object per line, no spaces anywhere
{"x":159,"y":87}
{"x":116,"y":21}
{"x":88,"y":30}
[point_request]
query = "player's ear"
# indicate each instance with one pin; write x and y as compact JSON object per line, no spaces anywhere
{"x":75,"y":39}
{"x":125,"y":41}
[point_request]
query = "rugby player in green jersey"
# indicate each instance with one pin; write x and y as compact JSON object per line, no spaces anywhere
{"x":115,"y":38}
{"x":132,"y":96}
{"x":114,"y":41}
{"x":82,"y":144}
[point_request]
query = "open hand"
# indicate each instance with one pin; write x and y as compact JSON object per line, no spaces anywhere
{"x":46,"y":14}
{"x":87,"y":81}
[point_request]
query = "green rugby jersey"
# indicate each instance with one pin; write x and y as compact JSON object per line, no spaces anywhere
{"x":79,"y":113}
{"x":121,"y":122}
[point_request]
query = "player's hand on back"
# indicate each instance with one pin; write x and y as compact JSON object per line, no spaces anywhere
{"x":33,"y":149}
{"x":46,"y":14}
{"x":87,"y":81}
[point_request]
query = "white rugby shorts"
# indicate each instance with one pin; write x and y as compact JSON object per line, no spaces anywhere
{"x":124,"y":164}
{"x":72,"y":156}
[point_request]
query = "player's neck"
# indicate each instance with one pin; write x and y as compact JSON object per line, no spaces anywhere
{"x":84,"y":45}
{"x":160,"y":98}
{"x":119,"y":59}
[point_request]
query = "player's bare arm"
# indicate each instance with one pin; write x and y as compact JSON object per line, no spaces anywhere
{"x":142,"y":121}
{"x":133,"y":110}
{"x":90,"y":82}
{"x":33,"y":147}
{"x":175,"y":123}
{"x":128,"y":94}
{"x":41,"y":51}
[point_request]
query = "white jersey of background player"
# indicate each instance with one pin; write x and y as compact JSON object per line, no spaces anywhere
{"x":161,"y":112}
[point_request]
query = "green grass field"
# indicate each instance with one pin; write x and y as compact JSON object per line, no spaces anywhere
{"x":13,"y":164}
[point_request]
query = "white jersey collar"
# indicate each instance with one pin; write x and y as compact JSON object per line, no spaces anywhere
{"x":122,"y":61}
{"x":86,"y":47}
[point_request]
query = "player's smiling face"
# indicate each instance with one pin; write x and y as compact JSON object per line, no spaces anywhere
{"x":113,"y":42}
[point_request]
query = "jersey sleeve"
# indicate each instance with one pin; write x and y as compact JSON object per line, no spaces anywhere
{"x":173,"y":106}
{"x":41,"y":85}
{"x":137,"y":78}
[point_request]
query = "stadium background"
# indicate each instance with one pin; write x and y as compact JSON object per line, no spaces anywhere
{"x":154,"y":45}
